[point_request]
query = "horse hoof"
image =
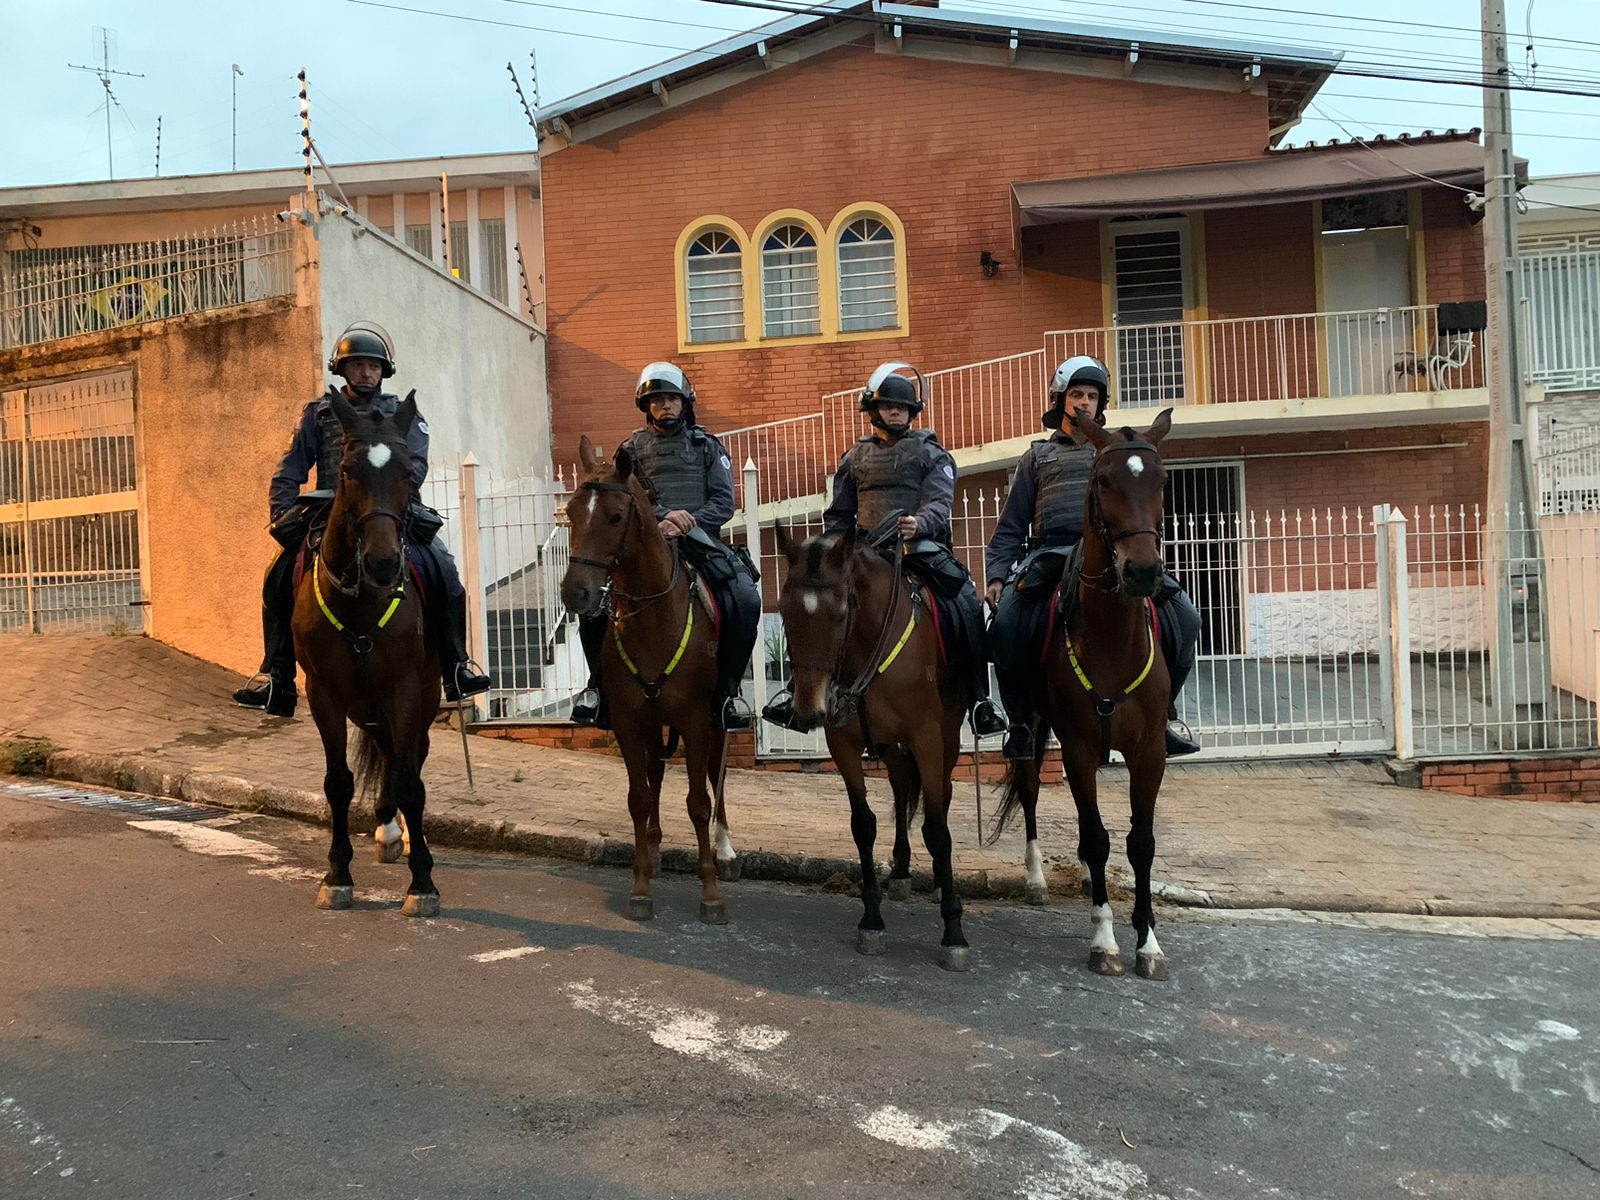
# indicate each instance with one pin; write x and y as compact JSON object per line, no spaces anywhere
{"x":336,"y":897}
{"x":1105,"y":962}
{"x":713,"y":912}
{"x":897,"y":889}
{"x":728,"y":869}
{"x":955,"y":958}
{"x":1038,"y":893}
{"x":641,"y":908}
{"x":421,"y":905}
{"x":1150,"y":966}
{"x":391,"y":852}
{"x":871,"y":941}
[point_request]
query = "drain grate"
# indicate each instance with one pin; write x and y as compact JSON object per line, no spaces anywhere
{"x":142,"y":806}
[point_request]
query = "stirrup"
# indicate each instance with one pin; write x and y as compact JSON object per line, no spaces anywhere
{"x":780,"y":712}
{"x":1018,"y":745}
{"x":1179,"y":744}
{"x":732,"y":716}
{"x":586,"y":708}
{"x":468,"y":679}
{"x":987,"y":719}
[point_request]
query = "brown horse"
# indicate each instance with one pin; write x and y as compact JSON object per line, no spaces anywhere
{"x":659,"y":666}
{"x":1107,"y":682}
{"x":866,"y":661}
{"x":358,"y":631}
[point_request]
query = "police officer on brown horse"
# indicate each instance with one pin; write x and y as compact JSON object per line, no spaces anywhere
{"x":687,"y":470}
{"x":1038,"y":528}
{"x":364,"y":357}
{"x":898,"y":469}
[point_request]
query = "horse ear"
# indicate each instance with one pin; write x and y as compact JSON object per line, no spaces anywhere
{"x":1159,"y":428}
{"x":406,"y":411}
{"x":844,"y":548}
{"x":787,"y":546}
{"x":586,"y":454}
{"x":343,"y":409}
{"x":623,"y":462}
{"x":1091,"y":429}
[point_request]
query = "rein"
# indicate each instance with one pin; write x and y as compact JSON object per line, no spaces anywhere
{"x":843,"y":702}
{"x":1104,"y":706}
{"x":609,"y":593}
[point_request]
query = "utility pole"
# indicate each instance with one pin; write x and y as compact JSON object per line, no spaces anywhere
{"x":104,"y":73}
{"x":1512,"y":559}
{"x":235,"y":78}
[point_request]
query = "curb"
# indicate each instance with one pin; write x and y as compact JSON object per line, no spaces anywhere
{"x":150,"y":776}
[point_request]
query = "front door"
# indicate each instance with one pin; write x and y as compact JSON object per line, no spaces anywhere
{"x":1366,"y":284}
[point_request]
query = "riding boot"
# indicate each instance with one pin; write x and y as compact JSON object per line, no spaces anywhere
{"x":462,"y":676}
{"x":1019,"y":734}
{"x":987,"y":719}
{"x":590,"y":706}
{"x":780,"y":712}
{"x":740,"y":606}
{"x":1180,"y":635}
{"x":276,"y":693}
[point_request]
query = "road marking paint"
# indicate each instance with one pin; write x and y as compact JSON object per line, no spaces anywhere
{"x":15,"y":1119}
{"x":489,"y":956}
{"x":202,"y":839}
{"x":694,"y":1032}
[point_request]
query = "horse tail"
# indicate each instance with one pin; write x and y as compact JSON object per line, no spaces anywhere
{"x":1022,"y":779}
{"x":372,"y":766}
{"x":669,"y":744}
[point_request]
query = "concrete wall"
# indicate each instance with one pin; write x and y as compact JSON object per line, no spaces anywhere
{"x":478,"y":370}
{"x":216,"y":395}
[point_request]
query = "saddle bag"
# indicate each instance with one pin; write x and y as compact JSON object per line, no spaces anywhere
{"x":714,"y":561}
{"x":422,"y":524}
{"x":290,"y":527}
{"x":935,"y":562}
{"x":1040,"y":570}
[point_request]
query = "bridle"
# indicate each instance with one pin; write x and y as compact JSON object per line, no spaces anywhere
{"x":1107,"y":538}
{"x":355,"y":576}
{"x":608,"y":588}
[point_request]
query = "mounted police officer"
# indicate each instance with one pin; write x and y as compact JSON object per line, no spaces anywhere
{"x":1041,"y":523}
{"x":688,"y":471}
{"x":363,"y":356}
{"x":893,"y":469}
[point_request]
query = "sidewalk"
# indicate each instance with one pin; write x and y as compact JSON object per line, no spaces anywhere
{"x":135,"y":714}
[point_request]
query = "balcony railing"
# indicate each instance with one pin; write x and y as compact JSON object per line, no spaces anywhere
{"x":1305,"y":356}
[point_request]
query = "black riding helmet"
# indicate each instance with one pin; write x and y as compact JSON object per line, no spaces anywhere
{"x":1076,"y":370}
{"x":363,"y":339}
{"x":888,"y":386}
{"x":664,"y":379}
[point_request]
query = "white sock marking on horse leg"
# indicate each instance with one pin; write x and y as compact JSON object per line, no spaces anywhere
{"x":1151,"y":947}
{"x":1104,"y":938}
{"x":378,"y":454}
{"x":384,"y":834}
{"x":724,"y":844}
{"x":1034,"y":861}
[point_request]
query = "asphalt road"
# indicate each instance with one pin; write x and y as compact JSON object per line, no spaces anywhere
{"x":177,"y":1020}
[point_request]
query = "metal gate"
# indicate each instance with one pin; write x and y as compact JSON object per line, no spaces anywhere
{"x":69,"y":507}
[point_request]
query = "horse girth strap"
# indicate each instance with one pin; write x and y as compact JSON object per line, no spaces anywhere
{"x":399,"y":594}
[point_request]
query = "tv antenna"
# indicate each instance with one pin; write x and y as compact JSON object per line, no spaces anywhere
{"x":108,"y":51}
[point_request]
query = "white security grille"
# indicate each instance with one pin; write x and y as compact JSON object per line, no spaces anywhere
{"x":69,"y":507}
{"x":1150,"y":310}
{"x":714,"y":277}
{"x":1561,"y":289}
{"x":868,"y":298}
{"x":790,"y":292}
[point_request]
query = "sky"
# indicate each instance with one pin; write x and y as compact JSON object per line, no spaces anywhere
{"x":387,"y":83}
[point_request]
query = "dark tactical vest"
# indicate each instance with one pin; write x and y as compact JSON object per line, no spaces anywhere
{"x":1061,"y":471}
{"x":889,"y":477}
{"x":675,"y":464}
{"x":330,"y":439}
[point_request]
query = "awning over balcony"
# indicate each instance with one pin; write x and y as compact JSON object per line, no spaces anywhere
{"x":1280,"y":177}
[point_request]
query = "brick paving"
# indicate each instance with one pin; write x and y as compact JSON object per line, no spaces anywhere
{"x":1330,"y":836}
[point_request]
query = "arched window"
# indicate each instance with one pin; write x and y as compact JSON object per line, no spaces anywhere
{"x":790,"y":294}
{"x":713,"y":280}
{"x":868,"y":296}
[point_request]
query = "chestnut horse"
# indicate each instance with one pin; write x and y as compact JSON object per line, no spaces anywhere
{"x":1106,"y":682}
{"x":866,"y":662}
{"x":659,"y":666}
{"x":358,"y":632}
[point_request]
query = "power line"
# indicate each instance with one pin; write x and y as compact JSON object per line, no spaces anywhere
{"x":593,"y":37}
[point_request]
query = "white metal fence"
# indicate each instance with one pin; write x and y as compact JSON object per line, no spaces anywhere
{"x":1567,"y":470}
{"x":69,"y":507}
{"x":44,"y":295}
{"x":1324,"y":632}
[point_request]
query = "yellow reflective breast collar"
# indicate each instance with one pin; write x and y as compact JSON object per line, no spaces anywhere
{"x":683,"y":644}
{"x":316,"y":588}
{"x":1150,"y":661}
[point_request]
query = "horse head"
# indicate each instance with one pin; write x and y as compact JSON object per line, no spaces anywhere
{"x":815,"y":605}
{"x":601,"y":513}
{"x":374,"y":489}
{"x":1124,"y":504}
